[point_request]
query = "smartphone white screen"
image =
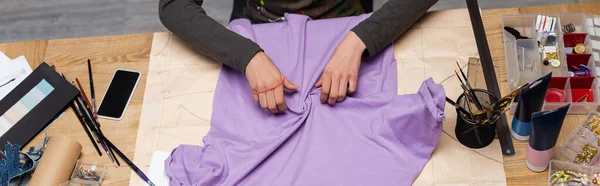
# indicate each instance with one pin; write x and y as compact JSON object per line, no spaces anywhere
{"x":118,"y":94}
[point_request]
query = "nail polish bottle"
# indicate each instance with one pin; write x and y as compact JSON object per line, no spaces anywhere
{"x":530,"y":100}
{"x":545,"y":129}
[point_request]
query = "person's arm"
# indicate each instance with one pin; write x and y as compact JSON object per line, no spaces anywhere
{"x":390,"y":21}
{"x":188,"y":20}
{"x":368,"y":38}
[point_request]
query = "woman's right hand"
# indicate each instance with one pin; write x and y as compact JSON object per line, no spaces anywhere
{"x":262,"y":76}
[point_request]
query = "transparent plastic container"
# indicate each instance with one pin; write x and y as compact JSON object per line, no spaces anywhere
{"x":582,"y":92}
{"x":94,"y":179}
{"x":580,"y":137}
{"x":556,"y":165}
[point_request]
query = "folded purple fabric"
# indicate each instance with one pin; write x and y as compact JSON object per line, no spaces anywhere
{"x":373,"y":137}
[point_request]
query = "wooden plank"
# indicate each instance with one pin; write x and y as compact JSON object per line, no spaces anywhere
{"x":32,"y":50}
{"x":586,"y":8}
{"x":107,"y":54}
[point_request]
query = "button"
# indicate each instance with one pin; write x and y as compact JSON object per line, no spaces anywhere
{"x":579,"y":49}
{"x":554,"y":62}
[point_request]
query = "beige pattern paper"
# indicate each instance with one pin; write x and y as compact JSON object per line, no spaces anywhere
{"x":180,"y":88}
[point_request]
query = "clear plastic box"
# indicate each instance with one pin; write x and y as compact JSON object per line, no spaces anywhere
{"x":579,"y":137}
{"x":571,"y":89}
{"x":556,"y":165}
{"x":99,"y":170}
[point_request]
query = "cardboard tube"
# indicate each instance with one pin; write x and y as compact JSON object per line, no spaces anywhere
{"x":57,"y":163}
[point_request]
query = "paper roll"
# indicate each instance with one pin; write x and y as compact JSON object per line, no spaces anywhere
{"x":57,"y":163}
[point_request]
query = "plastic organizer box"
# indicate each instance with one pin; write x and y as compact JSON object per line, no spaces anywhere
{"x":556,"y":165}
{"x":581,"y":137}
{"x":524,"y":62}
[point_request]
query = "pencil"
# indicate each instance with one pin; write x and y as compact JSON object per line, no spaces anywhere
{"x":92,"y":90}
{"x":87,"y":131}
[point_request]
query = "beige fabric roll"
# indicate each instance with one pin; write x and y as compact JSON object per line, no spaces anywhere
{"x":57,"y":163}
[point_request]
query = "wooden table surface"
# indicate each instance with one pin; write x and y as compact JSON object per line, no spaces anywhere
{"x":514,"y":166}
{"x":108,"y":53}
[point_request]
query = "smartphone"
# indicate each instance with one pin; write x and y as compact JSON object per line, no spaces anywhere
{"x":119,"y":93}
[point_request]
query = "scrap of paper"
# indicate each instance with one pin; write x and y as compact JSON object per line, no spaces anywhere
{"x":12,"y":72}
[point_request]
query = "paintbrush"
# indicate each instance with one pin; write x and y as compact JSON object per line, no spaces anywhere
{"x":87,"y":101}
{"x":467,"y":93}
{"x":476,"y":101}
{"x":87,"y":131}
{"x":95,"y":127}
{"x":460,"y":109}
{"x":128,"y":161}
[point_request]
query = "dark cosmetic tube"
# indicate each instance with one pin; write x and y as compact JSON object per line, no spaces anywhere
{"x":545,"y":129}
{"x":531,"y":100}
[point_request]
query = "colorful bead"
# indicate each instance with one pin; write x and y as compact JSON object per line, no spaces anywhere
{"x":586,"y":155}
{"x":551,"y":55}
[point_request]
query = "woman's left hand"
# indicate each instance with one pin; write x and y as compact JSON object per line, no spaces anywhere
{"x":341,"y":73}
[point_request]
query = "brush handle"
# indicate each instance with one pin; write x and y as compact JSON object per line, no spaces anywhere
{"x":92,"y":92}
{"x":87,"y":131}
{"x":460,"y":109}
{"x":131,"y":164}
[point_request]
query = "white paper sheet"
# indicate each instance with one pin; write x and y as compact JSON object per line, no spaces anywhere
{"x":12,"y":73}
{"x":3,"y":58}
{"x":157,"y":173}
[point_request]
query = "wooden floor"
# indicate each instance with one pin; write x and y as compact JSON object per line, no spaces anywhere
{"x":23,"y":20}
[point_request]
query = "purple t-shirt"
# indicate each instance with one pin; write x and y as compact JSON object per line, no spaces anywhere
{"x":373,"y":137}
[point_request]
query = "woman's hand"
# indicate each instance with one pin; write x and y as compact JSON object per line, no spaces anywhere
{"x":341,"y":73}
{"x":264,"y":77}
